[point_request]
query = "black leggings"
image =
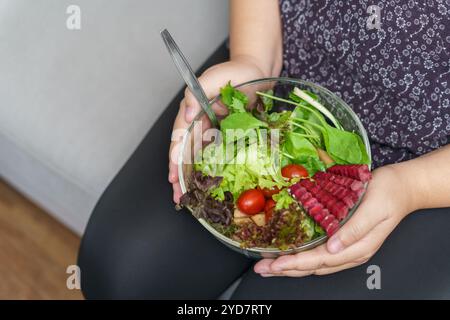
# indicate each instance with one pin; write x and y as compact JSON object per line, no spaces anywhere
{"x":137,"y":246}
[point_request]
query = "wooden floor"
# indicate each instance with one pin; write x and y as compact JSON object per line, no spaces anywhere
{"x":35,"y":251}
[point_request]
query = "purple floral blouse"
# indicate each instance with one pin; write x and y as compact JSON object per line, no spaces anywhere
{"x":389,"y":60}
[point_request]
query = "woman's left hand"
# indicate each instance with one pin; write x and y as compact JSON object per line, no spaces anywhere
{"x":384,"y":205}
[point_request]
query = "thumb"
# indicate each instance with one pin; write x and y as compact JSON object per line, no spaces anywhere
{"x":361,"y":223}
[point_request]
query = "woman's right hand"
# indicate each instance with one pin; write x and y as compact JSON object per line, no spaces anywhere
{"x":237,"y":71}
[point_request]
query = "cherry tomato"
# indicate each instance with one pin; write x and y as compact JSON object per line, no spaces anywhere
{"x":268,"y":209}
{"x":251,"y":201}
{"x":294,"y":171}
{"x":268,"y":193}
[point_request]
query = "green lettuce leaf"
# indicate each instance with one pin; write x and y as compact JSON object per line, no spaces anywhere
{"x":244,"y":121}
{"x":299,"y":150}
{"x":308,"y":228}
{"x":235,"y":100}
{"x":247,"y":169}
{"x":311,"y":229}
{"x":267,"y":101}
{"x":283,"y":199}
{"x":345,"y":147}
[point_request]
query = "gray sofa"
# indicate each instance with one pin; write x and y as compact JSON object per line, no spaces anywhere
{"x":76,"y":103}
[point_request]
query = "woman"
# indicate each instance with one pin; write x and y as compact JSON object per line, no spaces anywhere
{"x":390,"y":63}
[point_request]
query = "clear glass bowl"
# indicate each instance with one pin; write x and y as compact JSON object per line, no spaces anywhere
{"x":281,"y":86}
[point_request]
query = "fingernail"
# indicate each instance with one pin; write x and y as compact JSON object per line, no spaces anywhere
{"x":189,"y":114}
{"x":335,"y":245}
{"x":266,"y":275}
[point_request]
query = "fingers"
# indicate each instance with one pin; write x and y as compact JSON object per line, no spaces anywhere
{"x":174,"y":150}
{"x":177,"y":135}
{"x":319,"y":258}
{"x":176,"y":192}
{"x":315,"y":259}
{"x":318,"y":272}
{"x":361,"y":223}
{"x":173,"y":173}
{"x":325,"y":271}
{"x":288,"y":273}
{"x":174,"y":153}
{"x":303,"y":261}
{"x":173,"y":166}
{"x":263,"y":266}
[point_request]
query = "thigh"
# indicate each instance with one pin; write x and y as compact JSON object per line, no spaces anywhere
{"x":414,"y":263}
{"x":137,"y":246}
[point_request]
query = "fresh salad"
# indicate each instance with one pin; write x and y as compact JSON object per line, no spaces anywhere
{"x":277,"y":179}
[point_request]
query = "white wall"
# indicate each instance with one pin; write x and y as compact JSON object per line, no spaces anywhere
{"x":75,"y":104}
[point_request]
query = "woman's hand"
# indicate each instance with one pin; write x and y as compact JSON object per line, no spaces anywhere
{"x":240,"y":69}
{"x":386,"y":202}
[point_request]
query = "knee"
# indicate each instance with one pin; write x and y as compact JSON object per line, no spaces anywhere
{"x":111,"y":264}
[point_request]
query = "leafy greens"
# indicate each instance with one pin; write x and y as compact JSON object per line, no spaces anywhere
{"x":302,"y":131}
{"x":235,"y":100}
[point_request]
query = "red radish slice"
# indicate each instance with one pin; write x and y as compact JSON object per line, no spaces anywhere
{"x":342,"y":193}
{"x":316,"y":209}
{"x":360,"y":172}
{"x":310,"y":203}
{"x":348,"y":201}
{"x":306,"y":196}
{"x":340,"y":180}
{"x":297,"y":194}
{"x":326,"y":221}
{"x":328,"y":184}
{"x":308,"y":184}
{"x":331,"y":203}
{"x":332,"y":228}
{"x":319,"y":217}
{"x":346,"y":195}
{"x":299,"y":191}
{"x":294,"y":188}
{"x":335,"y":206}
{"x":331,"y":194}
